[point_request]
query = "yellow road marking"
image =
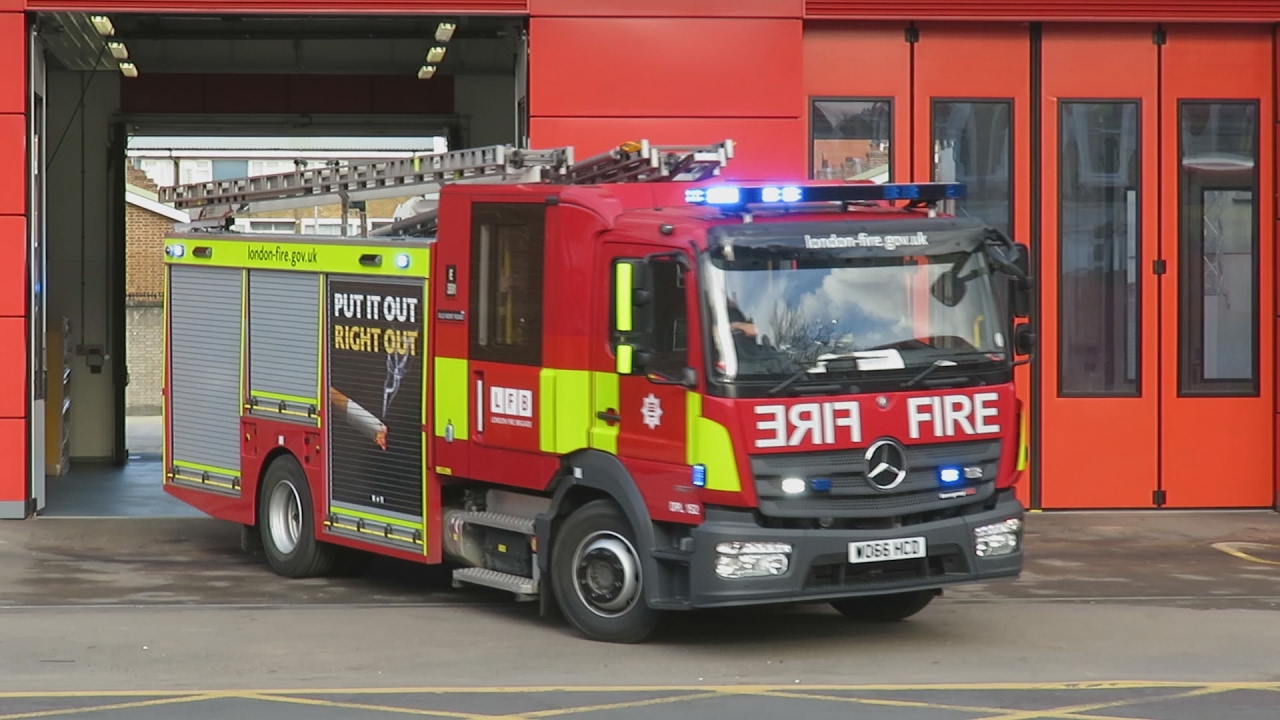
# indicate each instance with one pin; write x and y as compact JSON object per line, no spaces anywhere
{"x":1234,"y":549}
{"x":607,"y":706}
{"x":357,"y":706}
{"x":1076,"y":710}
{"x":115,"y":706}
{"x":881,"y":701}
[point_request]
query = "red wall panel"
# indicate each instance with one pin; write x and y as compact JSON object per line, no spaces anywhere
{"x":309,"y":7}
{"x":13,"y":263}
{"x":13,"y":60}
{"x":13,"y":370}
{"x":769,"y":150}
{"x":13,"y":471}
{"x":667,"y":8}
{"x":664,"y":68}
{"x":13,"y":169}
{"x":1166,"y":10}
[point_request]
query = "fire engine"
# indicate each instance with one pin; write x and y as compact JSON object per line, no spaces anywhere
{"x":617,"y":387}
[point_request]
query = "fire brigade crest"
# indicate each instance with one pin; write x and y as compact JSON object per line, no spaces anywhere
{"x":651,"y":410}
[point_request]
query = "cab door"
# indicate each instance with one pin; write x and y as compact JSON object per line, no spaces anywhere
{"x":646,"y":411}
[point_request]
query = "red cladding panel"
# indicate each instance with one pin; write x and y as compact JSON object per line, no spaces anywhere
{"x":668,"y":8}
{"x":665,"y":68}
{"x":13,"y":369}
{"x":309,"y":7}
{"x":1166,"y":10}
{"x":766,"y":150}
{"x":13,"y":266}
{"x":13,"y":166}
{"x":13,"y":62}
{"x":13,"y":471}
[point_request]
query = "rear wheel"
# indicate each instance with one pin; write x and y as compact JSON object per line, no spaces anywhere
{"x":286,"y":520}
{"x":884,"y":608}
{"x":597,"y":577}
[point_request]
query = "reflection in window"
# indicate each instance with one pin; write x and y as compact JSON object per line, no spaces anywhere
{"x":506,"y":282}
{"x":851,"y":139}
{"x":973,"y":144}
{"x":670,"y":335}
{"x":1218,"y":245}
{"x":1098,"y":250}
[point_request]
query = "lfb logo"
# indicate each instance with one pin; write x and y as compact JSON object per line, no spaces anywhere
{"x":511,"y":402}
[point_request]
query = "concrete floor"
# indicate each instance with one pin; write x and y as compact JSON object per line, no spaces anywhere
{"x":1120,"y":615}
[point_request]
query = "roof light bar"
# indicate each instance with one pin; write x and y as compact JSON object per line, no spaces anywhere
{"x":731,"y":195}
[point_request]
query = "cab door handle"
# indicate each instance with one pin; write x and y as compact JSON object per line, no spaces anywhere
{"x":610,"y":416}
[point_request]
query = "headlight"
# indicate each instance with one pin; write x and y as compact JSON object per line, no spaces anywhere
{"x":752,"y":559}
{"x":996,"y":539}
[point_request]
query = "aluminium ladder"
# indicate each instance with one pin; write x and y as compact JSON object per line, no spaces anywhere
{"x":213,"y":204}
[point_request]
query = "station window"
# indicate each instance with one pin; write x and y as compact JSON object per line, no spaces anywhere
{"x":507,"y":241}
{"x":1099,"y":190}
{"x":850,"y":139}
{"x":973,"y":144}
{"x":1218,"y":248}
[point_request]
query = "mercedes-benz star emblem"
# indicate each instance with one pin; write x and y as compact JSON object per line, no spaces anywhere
{"x":886,"y":464}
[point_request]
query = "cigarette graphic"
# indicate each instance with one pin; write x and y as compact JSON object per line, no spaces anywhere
{"x":359,"y":418}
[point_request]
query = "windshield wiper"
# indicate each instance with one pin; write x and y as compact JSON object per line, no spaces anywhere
{"x":925,"y":372}
{"x":807,"y":369}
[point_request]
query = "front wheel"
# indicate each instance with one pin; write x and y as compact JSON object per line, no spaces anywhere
{"x":597,"y":576}
{"x":884,"y":608}
{"x":286,"y":520}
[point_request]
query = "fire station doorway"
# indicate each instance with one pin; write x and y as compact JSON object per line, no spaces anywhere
{"x":199,"y":89}
{"x":1156,"y":267}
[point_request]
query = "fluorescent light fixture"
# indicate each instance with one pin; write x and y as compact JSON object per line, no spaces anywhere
{"x":435,"y":54}
{"x":426,"y":71}
{"x":444,"y":31}
{"x":129,"y":69}
{"x":118,"y":50}
{"x":103,"y":25}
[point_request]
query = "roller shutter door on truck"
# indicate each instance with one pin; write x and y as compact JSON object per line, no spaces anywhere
{"x":284,"y":345}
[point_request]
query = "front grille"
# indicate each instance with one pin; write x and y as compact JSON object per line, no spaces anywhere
{"x":837,"y":572}
{"x":851,"y":495}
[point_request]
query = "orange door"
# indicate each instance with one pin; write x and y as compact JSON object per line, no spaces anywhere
{"x":972,"y":113}
{"x":1217,"y":235}
{"x":1153,"y":289}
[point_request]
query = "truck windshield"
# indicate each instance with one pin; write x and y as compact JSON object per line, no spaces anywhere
{"x":877,"y":318}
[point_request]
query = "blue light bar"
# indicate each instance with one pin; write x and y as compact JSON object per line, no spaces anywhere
{"x":731,"y":195}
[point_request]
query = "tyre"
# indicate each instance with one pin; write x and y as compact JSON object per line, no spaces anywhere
{"x":286,"y":521}
{"x":884,"y":608}
{"x":597,"y":575}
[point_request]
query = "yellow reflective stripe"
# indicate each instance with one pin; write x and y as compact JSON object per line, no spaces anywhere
{"x":164,"y":374}
{"x":452,"y":397}
{"x":206,"y":468}
{"x":426,"y":458}
{"x":283,"y":253}
{"x":564,"y":410}
{"x":1024,"y":440}
{"x":604,"y":388}
{"x":344,"y":512}
{"x":622,"y":285}
{"x":709,"y":444}
{"x":202,"y":481}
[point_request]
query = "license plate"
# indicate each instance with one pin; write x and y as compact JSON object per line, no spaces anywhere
{"x":884,"y":550}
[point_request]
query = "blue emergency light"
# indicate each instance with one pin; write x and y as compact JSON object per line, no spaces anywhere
{"x":733,"y":195}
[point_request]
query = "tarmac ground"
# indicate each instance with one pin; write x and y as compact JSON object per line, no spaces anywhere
{"x":1156,"y":615}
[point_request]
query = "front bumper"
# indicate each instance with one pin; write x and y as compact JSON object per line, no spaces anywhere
{"x":819,"y":567}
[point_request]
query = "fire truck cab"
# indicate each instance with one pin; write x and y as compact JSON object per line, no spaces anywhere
{"x":617,"y":397}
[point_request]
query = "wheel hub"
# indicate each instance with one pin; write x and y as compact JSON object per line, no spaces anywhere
{"x":284,"y":517}
{"x":606,"y":574}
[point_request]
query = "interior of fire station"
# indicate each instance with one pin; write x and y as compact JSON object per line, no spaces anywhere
{"x":124,"y":102}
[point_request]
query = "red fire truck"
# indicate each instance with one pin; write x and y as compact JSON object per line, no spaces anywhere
{"x":618,"y":387}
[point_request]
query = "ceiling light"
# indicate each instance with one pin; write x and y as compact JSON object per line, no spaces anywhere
{"x":103,"y":25}
{"x":445,"y":31}
{"x":129,"y":69}
{"x":118,"y":50}
{"x":435,"y":54}
{"x":426,"y":71}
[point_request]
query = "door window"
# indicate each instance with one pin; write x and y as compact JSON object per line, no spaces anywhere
{"x":973,"y":144}
{"x":851,"y":138}
{"x":668,"y":341}
{"x":507,"y":242}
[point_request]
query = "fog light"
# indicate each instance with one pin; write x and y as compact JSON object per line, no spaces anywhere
{"x":752,"y":559}
{"x":793,"y":486}
{"x":997,"y":539}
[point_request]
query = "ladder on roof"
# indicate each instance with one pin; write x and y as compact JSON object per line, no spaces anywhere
{"x":214,"y":204}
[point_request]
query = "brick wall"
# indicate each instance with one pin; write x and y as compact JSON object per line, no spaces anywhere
{"x":145,"y":232}
{"x":144,"y":342}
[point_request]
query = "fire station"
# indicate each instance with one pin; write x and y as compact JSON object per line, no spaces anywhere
{"x":1131,"y":144}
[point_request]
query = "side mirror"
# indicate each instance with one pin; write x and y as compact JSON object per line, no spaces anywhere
{"x":1021,"y":289}
{"x":948,"y":289}
{"x":1024,"y":339}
